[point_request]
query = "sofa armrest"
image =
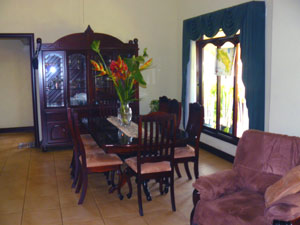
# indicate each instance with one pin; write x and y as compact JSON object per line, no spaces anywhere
{"x":285,"y":209}
{"x":213,"y":186}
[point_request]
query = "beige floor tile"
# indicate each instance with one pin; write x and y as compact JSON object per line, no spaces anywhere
{"x":119,"y":208}
{"x":88,"y":222}
{"x":12,"y":193}
{"x":71,"y":199}
{"x":45,"y":217}
{"x":79,"y":213}
{"x":11,"y":205}
{"x":125,"y":220}
{"x":166,"y":218}
{"x":10,"y":219}
{"x":37,"y":203}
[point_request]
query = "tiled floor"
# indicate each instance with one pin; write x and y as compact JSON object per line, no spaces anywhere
{"x":35,"y":188}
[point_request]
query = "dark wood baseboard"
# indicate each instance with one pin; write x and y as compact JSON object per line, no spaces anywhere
{"x":217,"y":152}
{"x":16,"y":129}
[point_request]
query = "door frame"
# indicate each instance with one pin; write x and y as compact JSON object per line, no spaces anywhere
{"x":30,"y":38}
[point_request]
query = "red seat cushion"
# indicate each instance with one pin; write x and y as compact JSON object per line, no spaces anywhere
{"x":93,"y":150}
{"x":184,"y":152}
{"x":99,"y":160}
{"x":155,"y":167}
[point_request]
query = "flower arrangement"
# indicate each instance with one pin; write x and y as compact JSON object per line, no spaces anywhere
{"x":124,"y":73}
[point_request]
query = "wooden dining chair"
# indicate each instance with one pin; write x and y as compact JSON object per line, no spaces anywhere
{"x":94,"y":163}
{"x":190,"y":153}
{"x":170,"y":106}
{"x":155,"y":157}
{"x":91,"y":147}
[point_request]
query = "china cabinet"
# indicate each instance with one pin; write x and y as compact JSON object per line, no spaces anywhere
{"x":66,"y":79}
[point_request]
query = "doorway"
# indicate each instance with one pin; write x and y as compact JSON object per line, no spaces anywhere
{"x":18,"y":97}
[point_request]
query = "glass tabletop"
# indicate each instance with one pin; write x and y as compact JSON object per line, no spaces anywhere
{"x":114,"y":140}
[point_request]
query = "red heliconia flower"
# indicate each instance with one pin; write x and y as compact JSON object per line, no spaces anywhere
{"x":119,"y":69}
{"x":98,"y":67}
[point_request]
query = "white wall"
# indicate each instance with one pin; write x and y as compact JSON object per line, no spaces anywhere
{"x":154,"y":23}
{"x":285,"y":70}
{"x":15,"y":84}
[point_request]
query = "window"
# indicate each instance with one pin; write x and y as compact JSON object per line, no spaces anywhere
{"x":220,"y":88}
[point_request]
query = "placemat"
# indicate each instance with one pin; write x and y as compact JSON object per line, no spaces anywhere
{"x":130,"y":130}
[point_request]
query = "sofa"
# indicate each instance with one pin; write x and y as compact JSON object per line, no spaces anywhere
{"x":263,"y":187}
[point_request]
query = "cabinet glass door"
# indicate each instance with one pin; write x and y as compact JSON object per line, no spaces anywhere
{"x":77,"y":79}
{"x":54,"y":79}
{"x":104,"y":90}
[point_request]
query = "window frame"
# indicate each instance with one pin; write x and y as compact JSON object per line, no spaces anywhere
{"x":218,"y":42}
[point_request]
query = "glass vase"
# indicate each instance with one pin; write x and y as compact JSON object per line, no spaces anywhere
{"x":124,"y":114}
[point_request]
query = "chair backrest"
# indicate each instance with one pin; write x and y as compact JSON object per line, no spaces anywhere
{"x":71,"y":123}
{"x":157,"y":135}
{"x":170,"y":106}
{"x":81,"y":150}
{"x":163,"y":104}
{"x":195,"y":123}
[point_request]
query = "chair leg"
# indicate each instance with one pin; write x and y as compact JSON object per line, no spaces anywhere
{"x":76,"y":174}
{"x":119,"y":172}
{"x":177,"y":170}
{"x":128,"y":176}
{"x":112,"y":181}
{"x":107,"y":178}
{"x":79,"y":183}
{"x":161,"y":190}
{"x":186,"y":166}
{"x":172,"y":193}
{"x":84,"y":187}
{"x":196,"y":169}
{"x":72,"y":166}
{"x":140,"y":198}
{"x":167,"y":184}
{"x":146,"y":191}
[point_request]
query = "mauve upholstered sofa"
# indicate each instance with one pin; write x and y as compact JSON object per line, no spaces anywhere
{"x":237,"y":196}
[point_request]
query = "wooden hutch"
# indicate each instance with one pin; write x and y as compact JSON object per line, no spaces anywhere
{"x":66,"y":79}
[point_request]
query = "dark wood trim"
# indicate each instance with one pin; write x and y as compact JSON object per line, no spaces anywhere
{"x":30,"y":37}
{"x":221,"y":135}
{"x":235,"y":92}
{"x":218,"y":42}
{"x":216,"y":152}
{"x":16,"y":129}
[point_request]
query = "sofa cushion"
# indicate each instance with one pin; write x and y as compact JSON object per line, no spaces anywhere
{"x":215,"y":185}
{"x":254,"y":181}
{"x":287,"y":185}
{"x":267,"y":152}
{"x":240,"y":208}
{"x":284,"y":209}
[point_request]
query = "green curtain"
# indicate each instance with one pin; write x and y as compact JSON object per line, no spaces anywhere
{"x":250,"y":19}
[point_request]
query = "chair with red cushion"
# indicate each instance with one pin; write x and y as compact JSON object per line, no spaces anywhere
{"x":91,"y":147}
{"x":94,"y":163}
{"x":155,"y":157}
{"x":190,"y":153}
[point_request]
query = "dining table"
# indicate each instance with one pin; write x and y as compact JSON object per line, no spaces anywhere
{"x":115,"y":138}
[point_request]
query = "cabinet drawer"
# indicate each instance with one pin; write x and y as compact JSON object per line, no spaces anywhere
{"x":56,"y":116}
{"x":58,"y":132}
